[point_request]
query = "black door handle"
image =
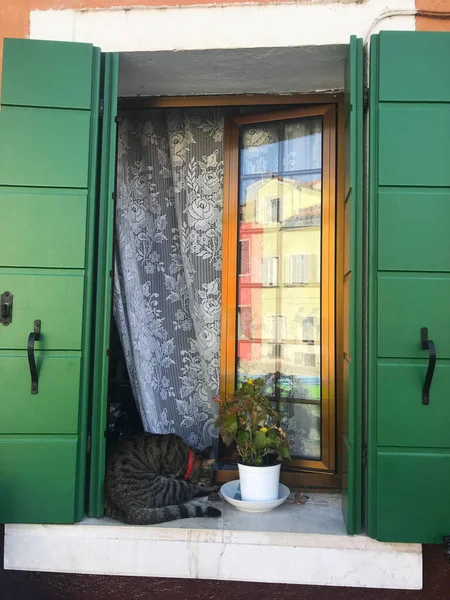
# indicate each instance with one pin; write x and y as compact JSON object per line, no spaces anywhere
{"x":33,"y":337}
{"x":428,"y":345}
{"x":6,"y":302}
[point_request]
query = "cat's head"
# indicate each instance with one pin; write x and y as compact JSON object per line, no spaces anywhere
{"x":203,"y":470}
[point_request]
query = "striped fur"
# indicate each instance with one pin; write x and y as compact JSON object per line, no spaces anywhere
{"x":145,"y":485}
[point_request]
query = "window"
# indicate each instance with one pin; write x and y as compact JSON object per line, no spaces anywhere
{"x":269,"y":270}
{"x":309,"y":330}
{"x":303,"y":269}
{"x":307,"y":359}
{"x":279,"y":322}
{"x":245,"y":322}
{"x":298,"y":269}
{"x":244,"y":262}
{"x":272,"y":210}
{"x":276,"y":327}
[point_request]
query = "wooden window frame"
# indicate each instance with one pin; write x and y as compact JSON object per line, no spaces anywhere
{"x":144,"y":102}
{"x":308,"y":477}
{"x":328,"y":269}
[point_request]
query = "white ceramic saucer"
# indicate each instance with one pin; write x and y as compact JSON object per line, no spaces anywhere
{"x":230,"y":491}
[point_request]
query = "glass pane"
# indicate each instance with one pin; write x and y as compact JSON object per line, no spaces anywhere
{"x":302,"y":145}
{"x":248,"y":190}
{"x":256,"y":359}
{"x":279,"y":284}
{"x":301,"y":423}
{"x":259,"y":149}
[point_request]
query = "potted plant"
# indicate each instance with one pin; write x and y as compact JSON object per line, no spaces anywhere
{"x":248,"y":419}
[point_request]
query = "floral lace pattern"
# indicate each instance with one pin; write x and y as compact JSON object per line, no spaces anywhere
{"x":168,"y":266}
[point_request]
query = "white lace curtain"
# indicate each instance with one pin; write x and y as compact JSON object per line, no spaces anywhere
{"x":168,"y":266}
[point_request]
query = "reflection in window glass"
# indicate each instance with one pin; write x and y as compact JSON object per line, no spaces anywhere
{"x":269,"y":269}
{"x":279,"y":328}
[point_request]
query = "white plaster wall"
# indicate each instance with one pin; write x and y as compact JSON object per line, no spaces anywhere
{"x":221,"y":27}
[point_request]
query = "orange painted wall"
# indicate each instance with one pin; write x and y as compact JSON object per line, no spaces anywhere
{"x":433,"y":24}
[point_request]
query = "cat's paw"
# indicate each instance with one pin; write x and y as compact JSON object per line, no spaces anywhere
{"x":214,"y":497}
{"x":211,"y":511}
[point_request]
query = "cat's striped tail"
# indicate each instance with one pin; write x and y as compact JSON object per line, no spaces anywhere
{"x":139,"y":515}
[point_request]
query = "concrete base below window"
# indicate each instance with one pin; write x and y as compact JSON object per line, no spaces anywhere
{"x":297,"y":543}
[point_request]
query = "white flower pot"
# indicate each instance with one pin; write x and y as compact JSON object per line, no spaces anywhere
{"x":259,"y":484}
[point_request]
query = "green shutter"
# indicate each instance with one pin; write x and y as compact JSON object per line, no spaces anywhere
{"x":352,"y":363}
{"x":49,"y":127}
{"x":103,"y":284}
{"x":409,"y":287}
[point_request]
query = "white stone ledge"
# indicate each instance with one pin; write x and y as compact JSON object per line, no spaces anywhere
{"x":222,"y":549}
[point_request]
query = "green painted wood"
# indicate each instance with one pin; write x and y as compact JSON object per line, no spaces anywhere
{"x":408,"y":287}
{"x":371,"y":471}
{"x":353,"y":388}
{"x":416,"y":155}
{"x":402,"y":418}
{"x":48,"y":163}
{"x":37,"y":475}
{"x":54,"y":410}
{"x":409,"y":70}
{"x":54,"y":297}
{"x":52,"y":74}
{"x":405,"y":305}
{"x":87,"y":400}
{"x":53,"y":145}
{"x":426,"y":210}
{"x":110,"y":71}
{"x":412,"y":495}
{"x":37,"y":211}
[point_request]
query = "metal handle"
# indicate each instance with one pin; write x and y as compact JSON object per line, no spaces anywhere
{"x":33,"y":337}
{"x":6,"y":302}
{"x":428,"y":345}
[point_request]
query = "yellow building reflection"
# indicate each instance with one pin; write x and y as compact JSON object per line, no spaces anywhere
{"x":279,"y":281}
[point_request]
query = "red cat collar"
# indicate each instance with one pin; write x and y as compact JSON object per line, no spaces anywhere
{"x":190,"y":464}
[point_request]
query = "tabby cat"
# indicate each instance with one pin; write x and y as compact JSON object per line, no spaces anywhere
{"x":149,"y":477}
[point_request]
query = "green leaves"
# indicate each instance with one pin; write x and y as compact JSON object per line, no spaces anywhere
{"x":260,"y":440}
{"x":231,"y":425}
{"x":248,"y":419}
{"x":284,"y":452}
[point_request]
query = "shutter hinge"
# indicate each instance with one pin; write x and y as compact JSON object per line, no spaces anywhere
{"x":365,"y":98}
{"x":89,"y":443}
{"x":364,"y":456}
{"x":101,"y":107}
